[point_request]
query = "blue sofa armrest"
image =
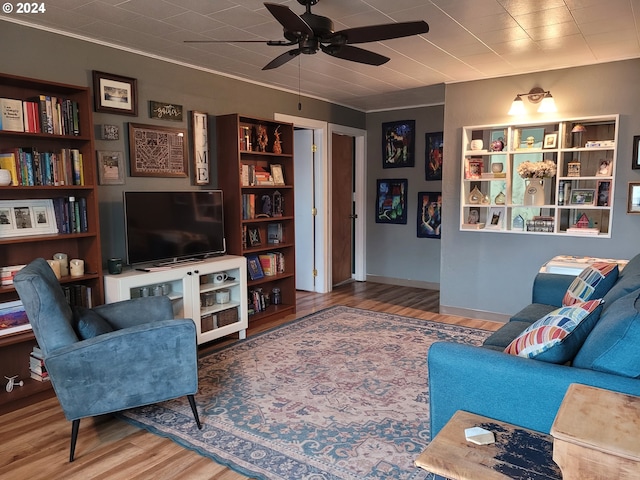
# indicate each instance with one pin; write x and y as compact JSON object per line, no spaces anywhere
{"x":125,"y":368}
{"x":512,"y":389}
{"x":549,"y":288}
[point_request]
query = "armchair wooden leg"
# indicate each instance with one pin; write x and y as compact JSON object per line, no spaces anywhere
{"x":192,"y":402}
{"x":75,"y":425}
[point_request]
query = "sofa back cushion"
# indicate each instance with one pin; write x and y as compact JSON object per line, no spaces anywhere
{"x":593,"y":282}
{"x":558,"y":336}
{"x":625,"y":285}
{"x":613,"y":344}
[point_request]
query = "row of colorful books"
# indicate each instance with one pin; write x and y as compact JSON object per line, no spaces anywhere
{"x":71,"y":214}
{"x":265,"y":265}
{"x":43,"y":114}
{"x":29,"y":167}
{"x":255,"y":175}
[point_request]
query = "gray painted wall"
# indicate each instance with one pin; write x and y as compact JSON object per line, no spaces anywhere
{"x":394,"y":252}
{"x":40,"y":54}
{"x":490,"y":273}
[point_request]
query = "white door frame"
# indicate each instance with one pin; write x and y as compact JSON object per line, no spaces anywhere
{"x":322,"y":134}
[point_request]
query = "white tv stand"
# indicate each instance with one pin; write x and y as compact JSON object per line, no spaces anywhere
{"x":186,"y":284}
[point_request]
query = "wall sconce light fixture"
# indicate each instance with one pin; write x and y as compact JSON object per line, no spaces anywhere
{"x":535,"y":95}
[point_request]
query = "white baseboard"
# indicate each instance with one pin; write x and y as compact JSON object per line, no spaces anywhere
{"x":476,"y":314}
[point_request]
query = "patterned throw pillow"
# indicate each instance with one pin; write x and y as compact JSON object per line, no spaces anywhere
{"x":557,"y":337}
{"x":593,"y":282}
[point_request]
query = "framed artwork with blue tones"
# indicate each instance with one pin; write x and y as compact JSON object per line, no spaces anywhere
{"x":433,"y":156}
{"x":391,"y":201}
{"x":398,"y":144}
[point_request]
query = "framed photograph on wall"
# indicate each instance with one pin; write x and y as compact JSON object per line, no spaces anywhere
{"x":633,"y":198}
{"x":433,"y":156}
{"x":391,"y":201}
{"x":157,"y":151}
{"x":22,"y":218}
{"x":635,"y":157}
{"x":110,"y":167}
{"x":398,"y":144}
{"x":115,"y":94}
{"x":429,"y":214}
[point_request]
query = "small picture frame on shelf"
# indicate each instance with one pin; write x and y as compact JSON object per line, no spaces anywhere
{"x":573,"y":169}
{"x":604,"y":191}
{"x":255,"y":239}
{"x":550,"y":140}
{"x":474,"y":168}
{"x":495,"y":218}
{"x":583,"y":196}
{"x":605,"y":168}
{"x":13,"y":318}
{"x":633,"y":198}
{"x":276,"y":173}
{"x":21,"y":218}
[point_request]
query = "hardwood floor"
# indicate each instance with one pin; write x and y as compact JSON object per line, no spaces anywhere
{"x":35,"y":439}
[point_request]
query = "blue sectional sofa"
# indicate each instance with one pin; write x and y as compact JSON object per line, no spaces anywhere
{"x":528,"y":392}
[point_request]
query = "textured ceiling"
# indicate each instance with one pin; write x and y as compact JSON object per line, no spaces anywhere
{"x":468,"y":40}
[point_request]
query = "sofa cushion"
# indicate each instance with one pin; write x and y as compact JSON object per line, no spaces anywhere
{"x":503,"y":336}
{"x":89,"y":324}
{"x":625,"y":285}
{"x":558,"y":336}
{"x":612,"y":346}
{"x":532,"y":313}
{"x":632,"y":267}
{"x":593,"y":282}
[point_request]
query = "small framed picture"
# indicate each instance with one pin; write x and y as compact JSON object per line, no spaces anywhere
{"x":110,"y":132}
{"x":495,"y":218}
{"x":115,"y":94}
{"x":573,"y":169}
{"x":110,"y":168}
{"x":474,"y":168}
{"x":635,"y":157}
{"x":550,"y":140}
{"x":276,"y":174}
{"x":604,"y":193}
{"x":633,"y":198}
{"x":582,"y":197}
{"x":255,"y":240}
{"x":605,"y":168}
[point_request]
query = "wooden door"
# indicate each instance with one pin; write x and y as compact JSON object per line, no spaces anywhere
{"x":342,"y":208}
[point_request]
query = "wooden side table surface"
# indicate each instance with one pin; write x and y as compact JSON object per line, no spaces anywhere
{"x":518,"y":453}
{"x":597,"y":434}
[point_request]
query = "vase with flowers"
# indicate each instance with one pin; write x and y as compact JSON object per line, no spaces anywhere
{"x":534,"y":174}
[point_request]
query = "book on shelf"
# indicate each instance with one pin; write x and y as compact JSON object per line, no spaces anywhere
{"x":254,"y":267}
{"x":248,"y":206}
{"x":32,"y":167}
{"x":8,"y":272}
{"x":584,"y":231}
{"x":268,"y":264}
{"x":36,"y":365}
{"x":11,"y":115}
{"x":55,"y":115}
{"x":78,"y":295}
{"x":40,"y":378}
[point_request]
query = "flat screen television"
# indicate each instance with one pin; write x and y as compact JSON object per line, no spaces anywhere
{"x":168,"y":227}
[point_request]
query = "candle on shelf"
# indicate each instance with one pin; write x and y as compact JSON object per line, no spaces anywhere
{"x":55,"y":266}
{"x":64,"y":263}
{"x":77,"y":267}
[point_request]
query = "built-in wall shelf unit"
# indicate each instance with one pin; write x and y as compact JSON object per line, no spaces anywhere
{"x":551,"y":178}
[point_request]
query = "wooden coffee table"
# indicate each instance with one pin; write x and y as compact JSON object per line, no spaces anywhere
{"x":518,"y":453}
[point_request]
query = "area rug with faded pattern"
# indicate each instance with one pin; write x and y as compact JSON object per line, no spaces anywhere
{"x":339,"y":394}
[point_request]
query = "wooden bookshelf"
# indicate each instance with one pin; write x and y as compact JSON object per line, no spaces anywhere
{"x":237,"y":146}
{"x":15,"y":348}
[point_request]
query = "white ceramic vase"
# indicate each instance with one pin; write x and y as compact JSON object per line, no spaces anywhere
{"x":534,"y":191}
{"x":5,"y":178}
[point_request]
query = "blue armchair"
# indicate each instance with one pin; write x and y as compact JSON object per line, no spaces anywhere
{"x":137,"y":354}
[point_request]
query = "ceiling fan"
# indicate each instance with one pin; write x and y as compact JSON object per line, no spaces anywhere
{"x":311,"y":32}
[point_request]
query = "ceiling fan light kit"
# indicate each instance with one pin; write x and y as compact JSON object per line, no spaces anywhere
{"x":311,"y":32}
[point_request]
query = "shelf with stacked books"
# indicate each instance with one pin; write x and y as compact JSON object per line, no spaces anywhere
{"x":255,"y":171}
{"x":554,"y":177}
{"x":51,"y":157}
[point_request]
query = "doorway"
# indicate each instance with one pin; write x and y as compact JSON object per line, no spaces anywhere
{"x":342,"y":208}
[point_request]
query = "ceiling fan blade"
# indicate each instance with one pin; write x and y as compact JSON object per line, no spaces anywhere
{"x":377,"y":33}
{"x":288,"y":19}
{"x":268,"y":42}
{"x":282,"y":59}
{"x":355,"y":54}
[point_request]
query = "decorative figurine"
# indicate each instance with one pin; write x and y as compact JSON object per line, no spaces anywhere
{"x":277,"y":144}
{"x":263,"y":139}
